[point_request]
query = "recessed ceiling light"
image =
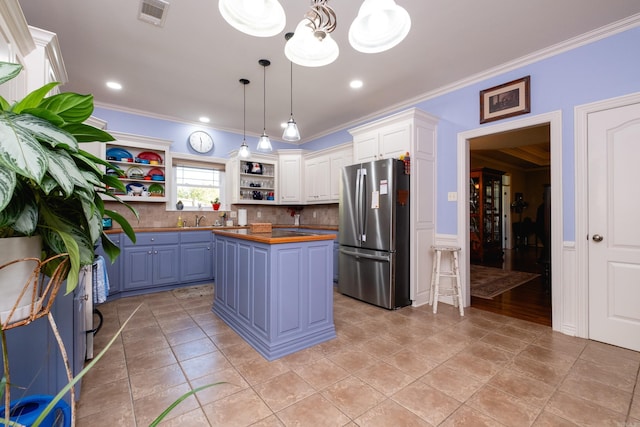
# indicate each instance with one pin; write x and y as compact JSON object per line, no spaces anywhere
{"x":114,"y":85}
{"x":204,"y":119}
{"x":356,"y":84}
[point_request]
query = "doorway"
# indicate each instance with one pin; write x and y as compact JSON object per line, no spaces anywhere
{"x":521,"y":158}
{"x":552,"y":122}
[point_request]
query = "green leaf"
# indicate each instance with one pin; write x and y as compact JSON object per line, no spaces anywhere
{"x":64,"y":170}
{"x":20,"y":151}
{"x":86,"y":133}
{"x":46,"y":131}
{"x":126,"y":227}
{"x":8,"y":71}
{"x":114,"y":182}
{"x":33,"y":99}
{"x":72,"y":107}
{"x":7,"y":185}
{"x":179,"y":400}
{"x":11,"y":213}
{"x":45,"y":115}
{"x":109,"y":248}
{"x":28,"y":220}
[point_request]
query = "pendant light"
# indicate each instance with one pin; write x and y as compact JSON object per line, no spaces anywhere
{"x":264,"y":144}
{"x":244,"y":148}
{"x":291,"y":132}
{"x":259,"y":18}
{"x":379,"y":26}
{"x":312,"y":44}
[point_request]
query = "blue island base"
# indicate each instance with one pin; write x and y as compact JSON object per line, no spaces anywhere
{"x":278,"y":297}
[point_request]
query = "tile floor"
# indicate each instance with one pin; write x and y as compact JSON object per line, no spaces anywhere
{"x":386,"y":368}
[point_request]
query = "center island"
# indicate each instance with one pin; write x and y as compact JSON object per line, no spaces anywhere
{"x":275,"y":289}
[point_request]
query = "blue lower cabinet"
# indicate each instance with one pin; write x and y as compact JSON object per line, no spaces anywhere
{"x":154,"y":260}
{"x":196,"y":256}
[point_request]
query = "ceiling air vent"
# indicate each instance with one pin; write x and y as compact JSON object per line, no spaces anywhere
{"x":153,"y":11}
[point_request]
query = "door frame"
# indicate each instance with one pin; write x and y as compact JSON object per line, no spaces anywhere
{"x":581,"y":114}
{"x":554,"y":119}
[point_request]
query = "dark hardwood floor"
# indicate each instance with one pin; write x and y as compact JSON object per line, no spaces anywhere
{"x":531,"y":301}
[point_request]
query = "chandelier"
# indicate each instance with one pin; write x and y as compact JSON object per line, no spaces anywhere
{"x":379,"y":26}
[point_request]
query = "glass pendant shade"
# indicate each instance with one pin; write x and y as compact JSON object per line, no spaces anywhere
{"x":244,"y":152}
{"x":379,"y":26}
{"x":305,"y":49}
{"x":291,"y":132}
{"x":259,"y":18}
{"x":264,"y":143}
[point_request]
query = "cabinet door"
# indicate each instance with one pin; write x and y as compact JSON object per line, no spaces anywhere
{"x":394,"y":141}
{"x":317,"y":177}
{"x":137,"y":267}
{"x":166,"y":265}
{"x":365,"y":147}
{"x":290,"y":182}
{"x":337,"y":162}
{"x":196,"y":262}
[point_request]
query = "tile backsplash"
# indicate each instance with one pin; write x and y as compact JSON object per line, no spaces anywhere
{"x":155,"y":215}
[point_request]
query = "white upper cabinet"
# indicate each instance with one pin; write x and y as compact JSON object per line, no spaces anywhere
{"x":317,"y":178}
{"x":290,"y":176}
{"x":372,"y":142}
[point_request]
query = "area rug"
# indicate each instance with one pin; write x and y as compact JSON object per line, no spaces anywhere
{"x":489,"y":282}
{"x":194,"y":291}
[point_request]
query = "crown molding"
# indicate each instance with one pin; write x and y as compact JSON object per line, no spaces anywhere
{"x":16,"y":23}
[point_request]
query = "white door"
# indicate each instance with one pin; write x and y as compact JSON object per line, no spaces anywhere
{"x":614,"y":230}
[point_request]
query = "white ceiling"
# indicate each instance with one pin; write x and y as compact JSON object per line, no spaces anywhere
{"x":191,"y":66}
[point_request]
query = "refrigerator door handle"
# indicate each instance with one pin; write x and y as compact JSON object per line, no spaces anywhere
{"x":358,"y":205}
{"x":363,"y":206}
{"x":367,"y":256}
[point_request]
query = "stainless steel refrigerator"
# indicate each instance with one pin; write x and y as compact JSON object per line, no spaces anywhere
{"x":374,"y":233}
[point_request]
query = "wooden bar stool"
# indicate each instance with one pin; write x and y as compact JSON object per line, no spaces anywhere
{"x":454,"y":290}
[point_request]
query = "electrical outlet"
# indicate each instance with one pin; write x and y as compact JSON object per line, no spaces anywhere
{"x":259,"y":214}
{"x":233,"y":214}
{"x":315,"y":214}
{"x":452,"y":196}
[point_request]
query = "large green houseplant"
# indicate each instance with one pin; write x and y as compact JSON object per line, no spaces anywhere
{"x":49,"y":186}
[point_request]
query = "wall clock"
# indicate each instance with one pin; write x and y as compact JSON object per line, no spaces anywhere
{"x":201,"y":141}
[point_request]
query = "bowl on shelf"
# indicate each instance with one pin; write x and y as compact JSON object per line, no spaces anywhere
{"x":135,"y":188}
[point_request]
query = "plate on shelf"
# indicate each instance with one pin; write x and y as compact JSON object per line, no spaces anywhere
{"x":155,"y":171}
{"x":150,"y":155}
{"x":156,"y":190}
{"x":135,"y":172}
{"x":119,"y":153}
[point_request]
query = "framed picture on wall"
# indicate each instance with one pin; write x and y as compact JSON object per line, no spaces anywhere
{"x":506,"y":100}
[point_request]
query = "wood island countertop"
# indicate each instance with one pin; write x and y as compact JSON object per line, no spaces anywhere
{"x":223,"y":228}
{"x":275,"y":236}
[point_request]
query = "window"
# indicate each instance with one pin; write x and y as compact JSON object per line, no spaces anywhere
{"x":198,"y":186}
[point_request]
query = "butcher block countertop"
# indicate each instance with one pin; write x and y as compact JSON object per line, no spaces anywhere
{"x":204,"y":228}
{"x":274,"y":237}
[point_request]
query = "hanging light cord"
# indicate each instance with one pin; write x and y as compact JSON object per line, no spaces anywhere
{"x":264,"y":99}
{"x":244,"y":114}
{"x":291,"y":81}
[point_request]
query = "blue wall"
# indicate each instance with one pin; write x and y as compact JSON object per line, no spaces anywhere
{"x":603,"y":69}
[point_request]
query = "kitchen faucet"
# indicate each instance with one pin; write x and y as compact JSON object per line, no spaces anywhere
{"x":198,"y":219}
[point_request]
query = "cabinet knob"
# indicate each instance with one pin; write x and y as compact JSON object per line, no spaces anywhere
{"x":153,"y":238}
{"x":208,"y":248}
{"x":155,"y":252}
{"x":149,"y":252}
